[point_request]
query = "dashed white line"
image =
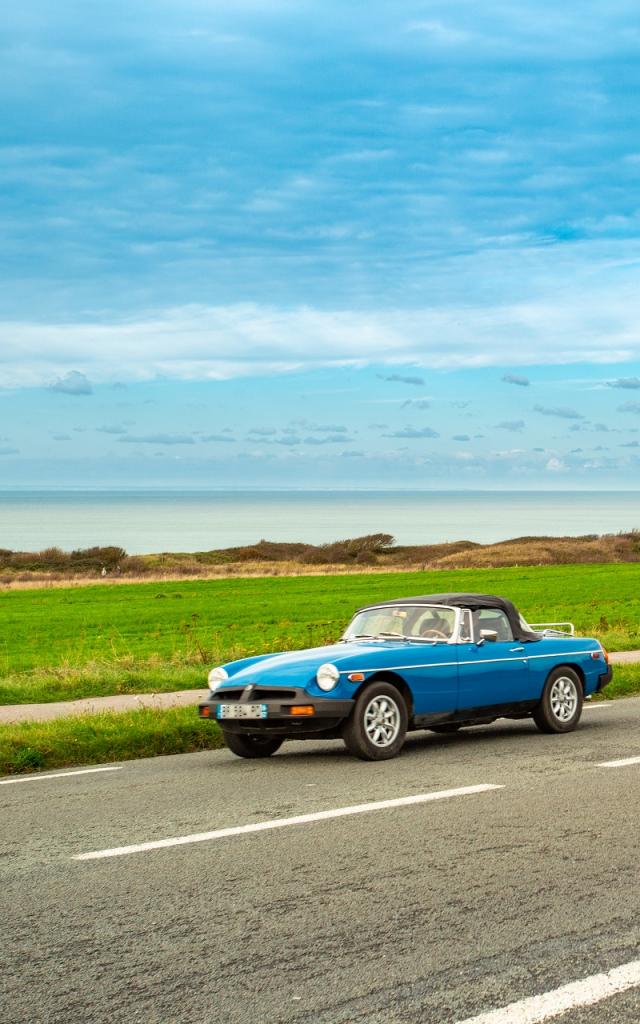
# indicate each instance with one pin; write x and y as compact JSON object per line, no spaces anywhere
{"x":300,"y":819}
{"x":58,"y":775}
{"x":623,"y":763}
{"x":568,"y":997}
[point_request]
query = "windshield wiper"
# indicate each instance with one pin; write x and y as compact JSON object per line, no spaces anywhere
{"x":393,"y":636}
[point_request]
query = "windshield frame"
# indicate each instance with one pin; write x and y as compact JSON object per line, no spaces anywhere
{"x":381,"y":637}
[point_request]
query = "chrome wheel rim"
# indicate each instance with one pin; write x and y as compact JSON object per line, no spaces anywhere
{"x":564,"y":698}
{"x":382,"y":721}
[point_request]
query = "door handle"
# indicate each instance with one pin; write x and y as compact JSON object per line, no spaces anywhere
{"x":516,"y":650}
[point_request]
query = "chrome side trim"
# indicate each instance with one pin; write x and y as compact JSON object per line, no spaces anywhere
{"x":462,"y":664}
{"x":398,"y":668}
{"x":563,"y":654}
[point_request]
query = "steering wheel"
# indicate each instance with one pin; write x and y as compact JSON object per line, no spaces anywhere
{"x":434,"y":632}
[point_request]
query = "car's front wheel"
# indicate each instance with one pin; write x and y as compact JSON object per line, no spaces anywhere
{"x":252,"y":744}
{"x":561,"y":705}
{"x":377,"y":725}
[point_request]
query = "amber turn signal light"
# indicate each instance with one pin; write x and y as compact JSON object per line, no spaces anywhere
{"x":204,"y":712}
{"x":356,"y":677}
{"x":302,"y":710}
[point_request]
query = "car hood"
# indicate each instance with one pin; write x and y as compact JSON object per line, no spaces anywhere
{"x":303,"y":663}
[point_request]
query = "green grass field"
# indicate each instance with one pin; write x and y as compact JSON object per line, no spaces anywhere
{"x":62,"y":643}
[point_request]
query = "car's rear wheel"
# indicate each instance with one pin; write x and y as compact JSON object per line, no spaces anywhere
{"x":377,"y":725}
{"x":561,"y":705}
{"x":252,"y":744}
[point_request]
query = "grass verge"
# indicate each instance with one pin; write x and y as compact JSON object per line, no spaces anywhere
{"x":96,"y":739}
{"x":100,"y":679}
{"x":625,"y":682}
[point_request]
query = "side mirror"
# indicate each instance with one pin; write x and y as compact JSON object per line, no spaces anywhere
{"x":488,"y":634}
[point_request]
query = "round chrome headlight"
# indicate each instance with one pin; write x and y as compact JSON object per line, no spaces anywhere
{"x":217,"y":676}
{"x":327,"y":676}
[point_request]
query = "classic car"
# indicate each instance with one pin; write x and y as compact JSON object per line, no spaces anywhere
{"x":439,"y":662}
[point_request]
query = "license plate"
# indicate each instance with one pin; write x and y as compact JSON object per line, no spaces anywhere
{"x":241,"y":711}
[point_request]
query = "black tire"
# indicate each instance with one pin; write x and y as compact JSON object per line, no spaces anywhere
{"x":377,"y":725}
{"x":252,"y":744}
{"x":447,"y":727}
{"x":560,"y":707}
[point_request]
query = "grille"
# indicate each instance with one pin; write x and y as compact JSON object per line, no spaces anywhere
{"x":262,"y":693}
{"x":258,"y":693}
{"x":225,"y":695}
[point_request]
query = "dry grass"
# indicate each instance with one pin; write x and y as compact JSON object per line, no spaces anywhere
{"x":375,"y":553}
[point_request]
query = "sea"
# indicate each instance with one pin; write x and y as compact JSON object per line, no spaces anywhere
{"x":145,"y":521}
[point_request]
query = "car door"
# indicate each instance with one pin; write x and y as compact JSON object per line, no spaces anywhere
{"x":493,"y":672}
{"x":432,"y":674}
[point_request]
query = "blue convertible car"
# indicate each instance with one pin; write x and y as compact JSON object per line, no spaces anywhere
{"x":438,"y":662}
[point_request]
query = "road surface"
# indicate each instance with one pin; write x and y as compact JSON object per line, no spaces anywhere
{"x":502,"y":866}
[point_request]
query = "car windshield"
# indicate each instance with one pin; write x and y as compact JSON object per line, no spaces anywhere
{"x":412,"y":622}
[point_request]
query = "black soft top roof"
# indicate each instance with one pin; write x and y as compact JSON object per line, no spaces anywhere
{"x":472,"y":601}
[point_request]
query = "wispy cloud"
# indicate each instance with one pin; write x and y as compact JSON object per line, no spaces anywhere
{"x":514,"y":378}
{"x":196,"y":342}
{"x":161,"y":439}
{"x":513,"y":425}
{"x":438,"y":32}
{"x":629,"y":407}
{"x":629,"y":383}
{"x":401,"y":379}
{"x":328,"y":439}
{"x":414,"y":432}
{"x":417,"y":403}
{"x":72,"y":383}
{"x":562,"y":412}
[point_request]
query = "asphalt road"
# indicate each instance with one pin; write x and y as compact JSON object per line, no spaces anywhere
{"x":429,"y":912}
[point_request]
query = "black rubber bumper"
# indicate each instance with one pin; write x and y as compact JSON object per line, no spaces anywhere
{"x":327,"y":714}
{"x":605,"y":679}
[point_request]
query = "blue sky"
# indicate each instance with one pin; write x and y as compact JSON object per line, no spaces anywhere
{"x":316,"y":244}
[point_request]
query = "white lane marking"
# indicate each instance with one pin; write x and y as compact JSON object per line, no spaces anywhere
{"x":600,"y":704}
{"x":568,"y":997}
{"x":619,"y":764}
{"x":300,"y":819}
{"x":57,"y":775}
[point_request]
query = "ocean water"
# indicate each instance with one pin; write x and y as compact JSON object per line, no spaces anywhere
{"x":151,"y":521}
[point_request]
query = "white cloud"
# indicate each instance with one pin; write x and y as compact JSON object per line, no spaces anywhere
{"x":219,"y":342}
{"x":438,"y":32}
{"x":73,"y":383}
{"x":169,"y":439}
